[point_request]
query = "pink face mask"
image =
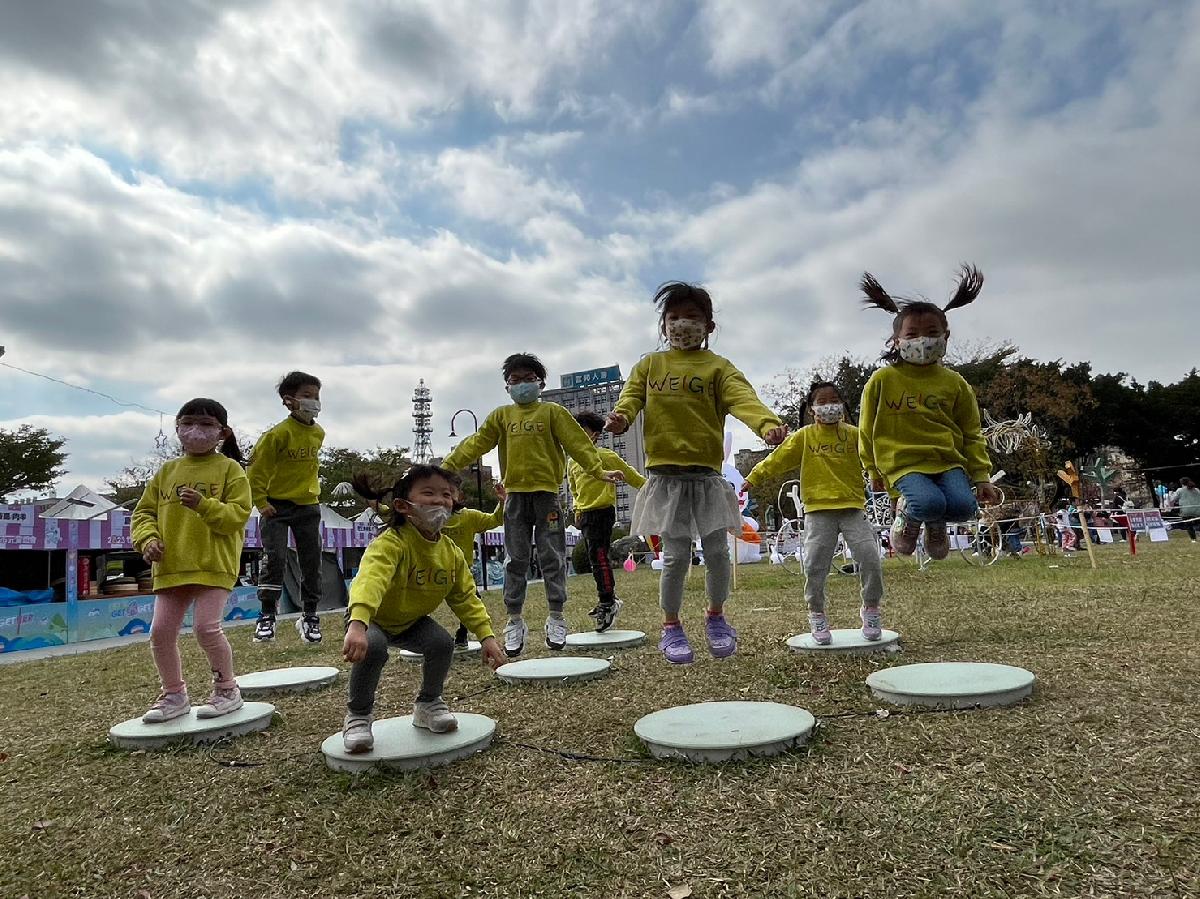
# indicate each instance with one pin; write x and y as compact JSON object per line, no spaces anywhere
{"x":198,"y":439}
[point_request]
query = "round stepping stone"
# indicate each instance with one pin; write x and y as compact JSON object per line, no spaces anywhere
{"x":846,"y":641}
{"x":723,"y":731}
{"x":299,"y":679}
{"x":400,"y":746}
{"x":134,"y":734}
{"x":586,"y":641}
{"x":954,"y":685}
{"x":472,"y":647}
{"x":553,"y":671}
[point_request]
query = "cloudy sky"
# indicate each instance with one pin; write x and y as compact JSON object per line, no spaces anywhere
{"x":197,"y":195}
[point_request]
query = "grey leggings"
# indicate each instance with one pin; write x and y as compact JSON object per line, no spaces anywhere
{"x":424,"y":636}
{"x":677,"y":560}
{"x":821,"y":531}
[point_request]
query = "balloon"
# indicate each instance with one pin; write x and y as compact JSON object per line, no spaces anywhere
{"x":630,"y":565}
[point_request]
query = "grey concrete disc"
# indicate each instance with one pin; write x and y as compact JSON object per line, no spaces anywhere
{"x":846,"y":641}
{"x":552,"y":671}
{"x":590,"y":641}
{"x":298,"y":679}
{"x":954,"y":685}
{"x":724,"y":731}
{"x":134,"y":734}
{"x":399,"y":745}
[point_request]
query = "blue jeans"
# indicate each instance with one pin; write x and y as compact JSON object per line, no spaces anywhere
{"x":948,"y":496}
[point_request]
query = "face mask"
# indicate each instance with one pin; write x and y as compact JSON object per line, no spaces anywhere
{"x":686,"y":334}
{"x":921,"y":350}
{"x":525,"y":392}
{"x":198,"y":439}
{"x":307,"y":407}
{"x":828,"y":413}
{"x":428,"y":518}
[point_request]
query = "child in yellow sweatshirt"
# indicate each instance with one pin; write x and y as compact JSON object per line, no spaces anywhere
{"x":919,"y":433}
{"x":407,"y":572}
{"x":464,"y":525}
{"x":832,"y":490}
{"x":532,"y":437}
{"x":287,"y":492}
{"x":596,"y":514}
{"x":686,"y":392}
{"x":190,"y":525}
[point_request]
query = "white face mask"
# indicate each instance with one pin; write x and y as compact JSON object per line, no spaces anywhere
{"x":921,"y":350}
{"x":198,"y":439}
{"x":428,"y":518}
{"x":308,"y":407}
{"x":828,"y":413}
{"x":686,"y":334}
{"x":524,"y":393}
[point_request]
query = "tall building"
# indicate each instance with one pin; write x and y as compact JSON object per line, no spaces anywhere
{"x":422,"y":423}
{"x":597,"y":390}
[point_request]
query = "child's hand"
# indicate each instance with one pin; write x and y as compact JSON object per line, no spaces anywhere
{"x":153,"y":551}
{"x":190,"y":497}
{"x":744,"y":489}
{"x":501,"y":491}
{"x":616,"y":423}
{"x":775,"y":436}
{"x":354,"y":647}
{"x":989,"y":494}
{"x":493,"y":655}
{"x":613,"y":477}
{"x":268,"y":511}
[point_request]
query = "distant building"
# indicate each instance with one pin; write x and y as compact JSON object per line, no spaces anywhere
{"x":597,"y":390}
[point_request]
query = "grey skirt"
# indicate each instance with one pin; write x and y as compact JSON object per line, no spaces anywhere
{"x":685,"y":502}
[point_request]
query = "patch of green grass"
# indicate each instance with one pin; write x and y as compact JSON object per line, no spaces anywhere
{"x":1086,"y":789}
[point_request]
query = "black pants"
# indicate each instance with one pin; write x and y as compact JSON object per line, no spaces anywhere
{"x":597,"y":528}
{"x":424,"y":636}
{"x":305,"y":525}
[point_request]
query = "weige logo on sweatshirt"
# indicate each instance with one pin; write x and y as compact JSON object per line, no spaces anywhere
{"x":302,"y":452}
{"x":170,"y":494}
{"x":425,"y":577}
{"x":526,"y":427}
{"x":913,"y":402}
{"x":682,"y":384}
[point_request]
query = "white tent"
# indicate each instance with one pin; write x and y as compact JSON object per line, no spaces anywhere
{"x":80,"y":504}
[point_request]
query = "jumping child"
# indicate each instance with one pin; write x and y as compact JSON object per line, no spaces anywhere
{"x":919,"y":431}
{"x":686,"y":391}
{"x":190,"y":525}
{"x":831,"y":488}
{"x":463,"y":526}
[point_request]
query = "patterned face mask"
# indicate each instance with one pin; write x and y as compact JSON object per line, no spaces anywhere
{"x":198,"y":439}
{"x":828,"y":413}
{"x":428,"y":518}
{"x":686,"y":334}
{"x":921,"y":350}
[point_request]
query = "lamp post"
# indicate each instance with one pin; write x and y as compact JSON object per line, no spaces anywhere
{"x":478,"y":496}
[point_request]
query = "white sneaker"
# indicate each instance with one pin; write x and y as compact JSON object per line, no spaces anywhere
{"x":222,"y":702}
{"x":515,"y":633}
{"x":309,"y":629}
{"x":168,"y":707}
{"x":356,"y":732}
{"x":556,"y":631}
{"x":434,"y":716}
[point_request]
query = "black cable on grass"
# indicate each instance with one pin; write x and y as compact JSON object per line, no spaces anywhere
{"x":577,"y":756}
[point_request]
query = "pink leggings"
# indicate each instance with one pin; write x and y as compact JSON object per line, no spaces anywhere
{"x":169,"y":608}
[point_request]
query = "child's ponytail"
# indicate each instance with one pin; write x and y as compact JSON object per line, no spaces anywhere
{"x":230,"y":449}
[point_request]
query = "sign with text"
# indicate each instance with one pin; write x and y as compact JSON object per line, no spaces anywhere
{"x":1156,"y":526}
{"x":591,"y":378}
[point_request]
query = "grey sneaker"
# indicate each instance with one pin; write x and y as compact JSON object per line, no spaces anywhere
{"x":556,"y":631}
{"x":515,"y":633}
{"x":434,"y":716}
{"x":222,"y":702}
{"x":167,"y":707}
{"x":356,"y":732}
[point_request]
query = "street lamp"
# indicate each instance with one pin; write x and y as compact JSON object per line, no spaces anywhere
{"x":478,"y":496}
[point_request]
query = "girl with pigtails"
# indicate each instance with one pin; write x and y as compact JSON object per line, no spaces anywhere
{"x":919,"y":430}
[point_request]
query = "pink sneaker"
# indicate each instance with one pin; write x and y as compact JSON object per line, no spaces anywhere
{"x":872,"y":621}
{"x":167,"y":707}
{"x":675,"y":646}
{"x":818,"y":623}
{"x":222,"y":702}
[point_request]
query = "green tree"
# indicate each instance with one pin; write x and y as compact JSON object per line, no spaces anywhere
{"x":30,"y":459}
{"x":338,"y":465}
{"x":786,"y":392}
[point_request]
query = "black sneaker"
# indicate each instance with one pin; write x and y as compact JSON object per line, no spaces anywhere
{"x":605,"y":614}
{"x":264,"y":630}
{"x":309,"y":629}
{"x":460,"y":637}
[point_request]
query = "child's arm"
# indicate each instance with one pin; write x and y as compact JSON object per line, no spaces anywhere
{"x":574,"y":439}
{"x":740,"y":400}
{"x":866,"y":432}
{"x":573,"y":473}
{"x":378,"y":568}
{"x":788,"y":456}
{"x":469,"y":609}
{"x":483,"y":440}
{"x":979,"y":463}
{"x":262,"y":467}
{"x":631,"y":401}
{"x":143,"y":524}
{"x":228,"y":515}
{"x":631,"y":474}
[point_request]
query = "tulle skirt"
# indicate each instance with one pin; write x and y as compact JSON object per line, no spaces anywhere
{"x":685,"y":503}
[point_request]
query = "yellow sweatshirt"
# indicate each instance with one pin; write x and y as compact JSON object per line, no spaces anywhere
{"x":284,"y":463}
{"x":466,"y":523}
{"x":531,"y":438}
{"x":686,"y":395}
{"x":831,"y":476}
{"x":404,"y":576}
{"x":594,"y":493}
{"x":203,"y":545}
{"x":920,"y":419}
